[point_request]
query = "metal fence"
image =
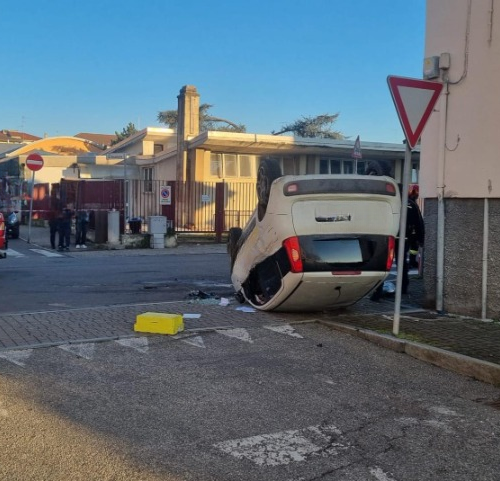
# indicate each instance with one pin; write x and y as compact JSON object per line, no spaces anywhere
{"x":196,"y":207}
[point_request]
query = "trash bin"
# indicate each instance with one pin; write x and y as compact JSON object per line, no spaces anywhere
{"x":135,"y":225}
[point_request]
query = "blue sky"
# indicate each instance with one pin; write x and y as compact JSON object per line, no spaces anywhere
{"x":94,"y":66}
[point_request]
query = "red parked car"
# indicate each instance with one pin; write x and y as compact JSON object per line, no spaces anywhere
{"x":3,"y":237}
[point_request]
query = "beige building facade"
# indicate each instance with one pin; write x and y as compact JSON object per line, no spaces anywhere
{"x":459,"y":170}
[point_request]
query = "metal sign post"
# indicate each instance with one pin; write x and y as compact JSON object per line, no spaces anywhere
{"x":414,"y":100}
{"x":34,"y":162}
{"x":402,"y":239}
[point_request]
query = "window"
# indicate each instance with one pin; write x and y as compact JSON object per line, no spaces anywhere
{"x":291,"y":165}
{"x":158,"y":148}
{"x":360,"y":167}
{"x":336,"y":166}
{"x":216,"y":165}
{"x":231,"y":165}
{"x":147,"y":175}
{"x":330,"y":166}
{"x":245,"y":165}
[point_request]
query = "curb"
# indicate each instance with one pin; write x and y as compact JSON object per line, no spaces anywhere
{"x":466,"y":366}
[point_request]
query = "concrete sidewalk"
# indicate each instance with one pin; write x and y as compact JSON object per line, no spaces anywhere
{"x":465,"y":345}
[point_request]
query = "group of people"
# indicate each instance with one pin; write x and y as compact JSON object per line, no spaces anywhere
{"x":60,"y":223}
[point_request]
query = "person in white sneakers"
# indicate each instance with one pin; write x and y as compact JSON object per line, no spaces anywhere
{"x":81,"y":223}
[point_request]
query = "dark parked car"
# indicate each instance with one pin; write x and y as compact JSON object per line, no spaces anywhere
{"x":3,"y":238}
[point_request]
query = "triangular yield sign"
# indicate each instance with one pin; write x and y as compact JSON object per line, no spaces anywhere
{"x":414,"y":100}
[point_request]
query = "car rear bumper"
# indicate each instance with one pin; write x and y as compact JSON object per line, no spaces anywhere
{"x":318,"y":291}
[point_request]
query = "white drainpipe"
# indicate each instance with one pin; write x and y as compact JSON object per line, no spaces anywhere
{"x":486,"y":224}
{"x":440,"y":197}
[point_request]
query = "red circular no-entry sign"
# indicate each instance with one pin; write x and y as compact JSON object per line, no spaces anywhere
{"x":34,"y":162}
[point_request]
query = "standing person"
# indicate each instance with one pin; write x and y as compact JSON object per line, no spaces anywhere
{"x":414,"y":241}
{"x":65,"y":229}
{"x":54,"y":227}
{"x":82,"y":220}
{"x":415,"y":235}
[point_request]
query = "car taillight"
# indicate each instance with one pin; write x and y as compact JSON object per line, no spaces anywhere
{"x":390,"y":188}
{"x":292,"y":248}
{"x":391,"y":248}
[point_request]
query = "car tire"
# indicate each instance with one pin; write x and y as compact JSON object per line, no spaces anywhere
{"x":269,"y":171}
{"x":376,"y":167}
{"x":232,"y":242}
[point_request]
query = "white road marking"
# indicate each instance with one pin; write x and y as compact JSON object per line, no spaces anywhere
{"x":284,"y":447}
{"x":238,"y":333}
{"x":138,"y":343}
{"x":380,"y":475}
{"x":285,"y":329}
{"x":13,"y":253}
{"x":196,"y":341}
{"x":46,"y":253}
{"x":17,"y":356}
{"x":85,"y":350}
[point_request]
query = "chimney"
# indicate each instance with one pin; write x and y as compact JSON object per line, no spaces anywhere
{"x":188,"y":125}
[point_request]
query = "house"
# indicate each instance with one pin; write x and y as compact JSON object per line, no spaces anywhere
{"x":460,"y":175}
{"x":205,"y":167}
{"x":160,"y":155}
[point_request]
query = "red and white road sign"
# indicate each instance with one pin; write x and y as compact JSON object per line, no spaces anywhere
{"x":34,"y":162}
{"x":414,"y":100}
{"x":356,"y":152}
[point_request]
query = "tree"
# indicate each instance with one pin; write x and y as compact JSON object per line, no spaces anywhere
{"x":207,"y":121}
{"x":126,"y":132}
{"x":319,"y":126}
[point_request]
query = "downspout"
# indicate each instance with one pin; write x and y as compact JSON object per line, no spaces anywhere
{"x":486,"y":227}
{"x":440,"y":198}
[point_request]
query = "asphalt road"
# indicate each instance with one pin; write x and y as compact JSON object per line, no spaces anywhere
{"x":246,"y":404}
{"x":255,"y":402}
{"x":39,"y":279}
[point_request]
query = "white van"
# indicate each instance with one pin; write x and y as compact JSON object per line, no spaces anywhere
{"x":315,"y":242}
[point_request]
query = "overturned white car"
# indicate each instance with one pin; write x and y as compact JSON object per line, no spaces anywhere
{"x":314,"y":242}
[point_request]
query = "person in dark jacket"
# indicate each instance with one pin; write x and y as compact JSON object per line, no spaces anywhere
{"x":65,"y":229}
{"x":54,"y":227}
{"x":81,"y":222}
{"x":415,"y":231}
{"x":415,"y":235}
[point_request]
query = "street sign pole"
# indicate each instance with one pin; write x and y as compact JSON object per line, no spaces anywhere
{"x":34,"y":162}
{"x":402,"y":239}
{"x":414,"y":100}
{"x":31,"y":204}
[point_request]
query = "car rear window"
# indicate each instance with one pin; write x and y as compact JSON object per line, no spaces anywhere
{"x":339,"y":186}
{"x":343,"y":252}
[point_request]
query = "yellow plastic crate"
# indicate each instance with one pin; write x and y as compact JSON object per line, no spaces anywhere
{"x":159,"y":323}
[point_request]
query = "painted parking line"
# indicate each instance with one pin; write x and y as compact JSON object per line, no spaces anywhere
{"x":13,"y":253}
{"x":46,"y":253}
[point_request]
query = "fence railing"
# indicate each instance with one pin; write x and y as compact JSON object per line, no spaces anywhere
{"x":197,"y":207}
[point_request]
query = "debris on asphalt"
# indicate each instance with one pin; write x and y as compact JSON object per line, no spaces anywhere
{"x":246,"y":309}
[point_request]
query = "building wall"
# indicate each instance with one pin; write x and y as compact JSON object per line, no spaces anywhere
{"x":464,"y":256}
{"x":459,"y":160}
{"x":470,"y":141}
